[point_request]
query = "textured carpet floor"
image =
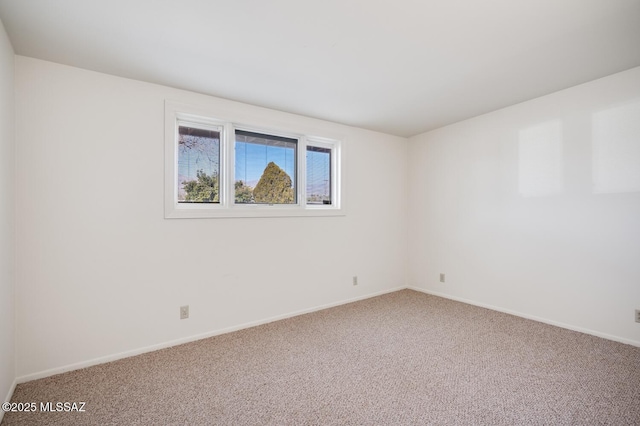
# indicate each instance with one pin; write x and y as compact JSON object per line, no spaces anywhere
{"x":398,"y":359}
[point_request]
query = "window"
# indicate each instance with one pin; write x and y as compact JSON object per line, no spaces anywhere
{"x":265,"y":168}
{"x":219,"y":168}
{"x":198,"y":163}
{"x":318,"y":175}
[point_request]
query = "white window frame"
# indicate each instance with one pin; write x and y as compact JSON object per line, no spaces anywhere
{"x":176,"y":112}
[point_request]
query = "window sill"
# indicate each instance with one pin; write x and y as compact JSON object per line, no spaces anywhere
{"x":220,"y":212}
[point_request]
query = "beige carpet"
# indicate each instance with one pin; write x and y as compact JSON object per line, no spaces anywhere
{"x":404,"y":358}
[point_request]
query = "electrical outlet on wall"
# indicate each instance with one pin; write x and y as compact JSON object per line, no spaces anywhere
{"x":637,"y":315}
{"x":355,"y":280}
{"x":184,"y":312}
{"x":441,"y":277}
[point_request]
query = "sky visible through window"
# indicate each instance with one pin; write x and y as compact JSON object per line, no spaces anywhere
{"x":252,"y":158}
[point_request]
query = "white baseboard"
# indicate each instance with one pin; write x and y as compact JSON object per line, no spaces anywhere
{"x":134,"y":352}
{"x":8,"y":397}
{"x":151,"y":348}
{"x":531,"y":317}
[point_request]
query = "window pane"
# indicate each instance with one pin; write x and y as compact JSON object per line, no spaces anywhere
{"x":318,"y":175}
{"x":198,"y":165}
{"x":265,"y":169}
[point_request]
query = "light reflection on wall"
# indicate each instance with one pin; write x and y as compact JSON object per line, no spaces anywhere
{"x":540,"y":163}
{"x":616,"y":149}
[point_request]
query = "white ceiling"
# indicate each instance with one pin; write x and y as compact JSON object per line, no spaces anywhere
{"x":397,"y":66}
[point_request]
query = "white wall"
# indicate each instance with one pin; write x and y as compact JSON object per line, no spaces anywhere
{"x":535,"y":208}
{"x":7,"y":217}
{"x":101,"y":272}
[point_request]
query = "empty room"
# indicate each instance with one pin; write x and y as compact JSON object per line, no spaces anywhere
{"x":290,"y":212}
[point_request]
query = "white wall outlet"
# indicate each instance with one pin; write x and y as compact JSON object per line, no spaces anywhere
{"x":184,"y":312}
{"x":441,"y":278}
{"x":637,"y":315}
{"x":355,"y":280}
